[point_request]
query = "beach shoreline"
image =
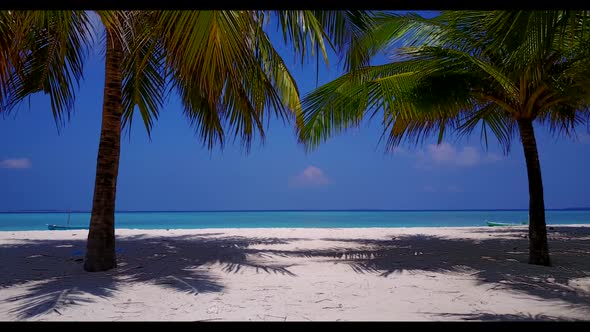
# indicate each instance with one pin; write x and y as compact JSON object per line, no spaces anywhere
{"x":516,"y":226}
{"x":298,"y":274}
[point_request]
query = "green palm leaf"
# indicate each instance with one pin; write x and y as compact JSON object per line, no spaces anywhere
{"x":55,"y":48}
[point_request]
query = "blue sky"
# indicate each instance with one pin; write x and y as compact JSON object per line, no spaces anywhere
{"x":41,"y":169}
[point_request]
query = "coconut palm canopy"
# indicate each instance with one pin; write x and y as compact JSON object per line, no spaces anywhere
{"x":169,"y":51}
{"x":460,"y":72}
{"x":497,"y":71}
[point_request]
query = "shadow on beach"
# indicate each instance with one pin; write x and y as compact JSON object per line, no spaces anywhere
{"x":174,"y":262}
{"x":179,"y":263}
{"x":500,"y":259}
{"x":524,"y":317}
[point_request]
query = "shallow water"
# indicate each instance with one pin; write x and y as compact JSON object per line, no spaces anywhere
{"x":289,"y":219}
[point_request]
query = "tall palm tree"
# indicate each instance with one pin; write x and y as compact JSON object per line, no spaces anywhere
{"x":498,"y":71}
{"x":221,"y":63}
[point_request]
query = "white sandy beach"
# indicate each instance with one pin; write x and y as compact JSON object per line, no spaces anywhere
{"x":355,"y":274}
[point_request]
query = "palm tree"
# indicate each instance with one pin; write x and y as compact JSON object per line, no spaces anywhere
{"x":498,"y":71}
{"x":221,"y":63}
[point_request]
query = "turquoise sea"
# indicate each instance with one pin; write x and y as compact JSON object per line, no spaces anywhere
{"x":289,"y":219}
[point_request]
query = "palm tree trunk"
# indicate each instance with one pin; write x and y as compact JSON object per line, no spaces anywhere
{"x":100,"y":248}
{"x":538,"y":248}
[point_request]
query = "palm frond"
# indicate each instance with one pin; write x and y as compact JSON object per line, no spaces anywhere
{"x":345,"y":29}
{"x":489,"y":116}
{"x":228,"y":72}
{"x":469,"y":68}
{"x":55,"y":48}
{"x":143,"y":72}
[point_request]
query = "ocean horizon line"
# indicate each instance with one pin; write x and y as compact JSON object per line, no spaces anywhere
{"x":294,"y":210}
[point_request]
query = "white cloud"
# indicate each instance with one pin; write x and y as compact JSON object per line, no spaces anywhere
{"x":447,"y":154}
{"x":311,"y":176}
{"x":16,"y":163}
{"x":441,"y":153}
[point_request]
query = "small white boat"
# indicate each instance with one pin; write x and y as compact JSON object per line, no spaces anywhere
{"x":66,"y":227}
{"x":58,"y":227}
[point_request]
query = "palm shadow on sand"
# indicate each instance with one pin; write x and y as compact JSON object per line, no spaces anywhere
{"x":499,"y":260}
{"x":520,"y":317}
{"x":57,"y":264}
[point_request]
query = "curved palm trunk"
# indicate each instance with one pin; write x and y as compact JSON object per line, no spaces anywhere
{"x":100,"y":248}
{"x":538,"y":248}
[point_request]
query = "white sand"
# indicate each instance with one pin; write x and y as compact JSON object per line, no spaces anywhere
{"x":360,"y":274}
